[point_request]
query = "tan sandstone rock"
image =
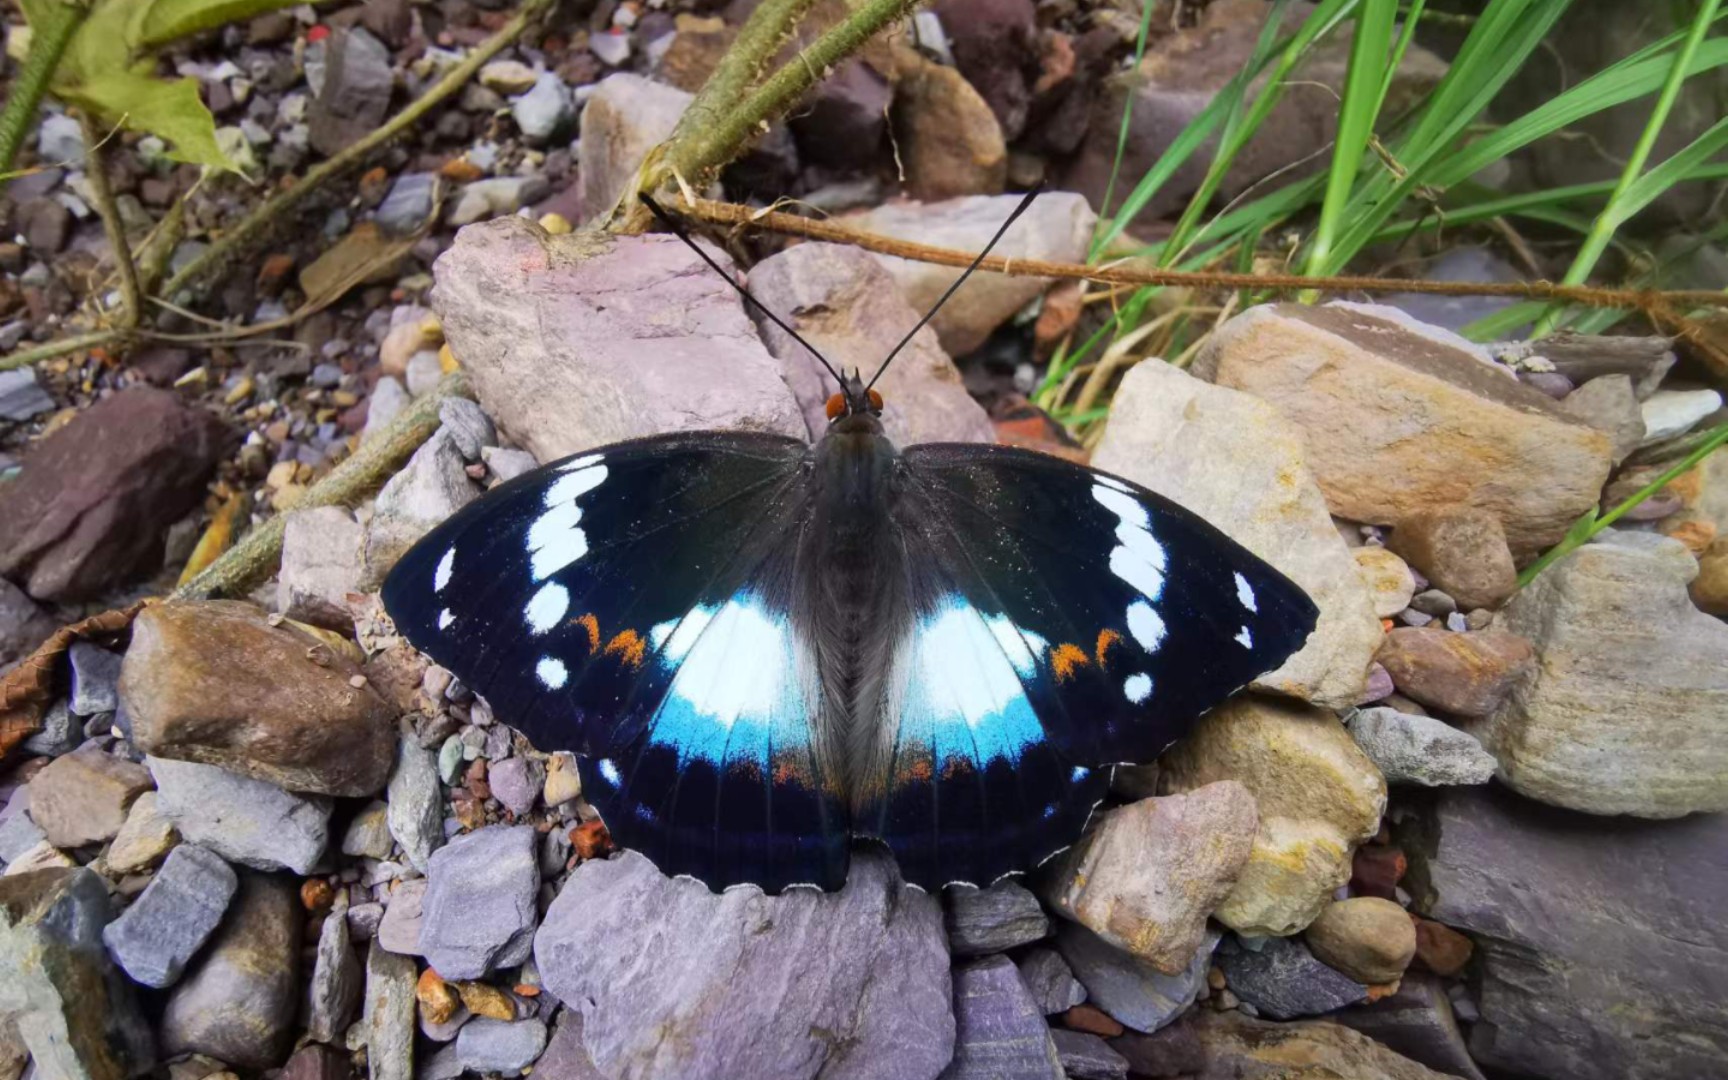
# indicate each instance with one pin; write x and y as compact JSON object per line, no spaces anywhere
{"x":1399,"y":419}
{"x":1367,"y":938}
{"x":1318,"y":794}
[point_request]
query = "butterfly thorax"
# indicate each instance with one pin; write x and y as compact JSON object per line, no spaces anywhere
{"x":859,"y":569}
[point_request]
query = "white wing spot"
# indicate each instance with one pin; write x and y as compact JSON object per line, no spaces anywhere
{"x":609,"y":769}
{"x":1244,"y":638}
{"x":1080,"y":773}
{"x":573,"y":485}
{"x":1245,"y":594}
{"x":1146,"y":626}
{"x":1138,"y":688}
{"x":580,"y":463}
{"x":552,"y":672}
{"x":441,"y":576}
{"x":1110,"y":482}
{"x":445,"y":618}
{"x":546,"y":607}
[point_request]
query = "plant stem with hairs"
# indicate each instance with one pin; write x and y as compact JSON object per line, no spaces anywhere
{"x":48,"y":41}
{"x":131,"y":297}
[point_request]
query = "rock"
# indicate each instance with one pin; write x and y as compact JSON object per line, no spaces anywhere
{"x":1671,"y":413}
{"x":1183,"y":72}
{"x":948,"y":137}
{"x":544,"y":109}
{"x":237,"y":1003}
{"x":1441,"y":949}
{"x":864,"y":969}
{"x":1416,"y":1021}
{"x":479,"y":907}
{"x":95,"y":498}
{"x":246,"y":821}
{"x":1237,"y":1047}
{"x":999,"y":1032}
{"x":95,"y":679}
{"x":1283,"y":979}
{"x":74,"y":1011}
{"x":841,"y":123}
{"x":1050,"y":981}
{"x":82,"y":798}
{"x":60,"y":140}
{"x":412,"y":330}
{"x":1369,"y":939}
{"x":498,"y":196}
{"x":1476,"y":265}
{"x":143,"y":840}
{"x":566,"y":1058}
{"x":431,"y":487}
{"x":1131,"y":990}
{"x":469,"y":425}
{"x":1615,"y":924}
{"x":45,"y":225}
{"x":1398,"y":421}
{"x":61,"y":733}
{"x":507,"y":76}
{"x":321,"y":565}
{"x":356,"y":91}
{"x":842,"y":301}
{"x":1088,"y":1057}
{"x":1610,"y":405}
{"x":1462,"y":551}
{"x":543,"y":323}
{"x":215,"y":682}
{"x":1318,"y":796}
{"x":337,"y":980}
{"x":1235,"y":462}
{"x":995,"y":46}
{"x":23,"y":625}
{"x":1462,"y":674}
{"x":388,"y":1020}
{"x":21,"y":397}
{"x":388,"y":400}
{"x":416,"y":814}
{"x":1414,"y":749}
{"x":169,"y":922}
{"x":994,"y":919}
{"x":1627,"y":712}
{"x":399,"y":931}
{"x":1146,"y":876}
{"x":625,"y":117}
{"x":408,"y":204}
{"x":507,"y":465}
{"x":1390,"y":585}
{"x":1058,"y":227}
{"x":500,"y":1046}
{"x":516,"y":782}
{"x":315,"y":1062}
{"x":18,"y":834}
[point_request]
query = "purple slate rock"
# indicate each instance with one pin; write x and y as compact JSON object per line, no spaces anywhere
{"x":851,"y":985}
{"x":1284,"y":980}
{"x":1129,"y":989}
{"x":994,"y":919}
{"x":566,"y":1058}
{"x":1000,"y":1030}
{"x":517,"y":782}
{"x":172,"y":918}
{"x":1050,"y":980}
{"x":404,"y":915}
{"x":479,"y":908}
{"x":1379,"y":685}
{"x":1085,"y":1056}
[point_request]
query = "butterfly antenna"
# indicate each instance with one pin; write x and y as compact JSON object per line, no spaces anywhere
{"x":678,"y":231}
{"x":1018,"y":210}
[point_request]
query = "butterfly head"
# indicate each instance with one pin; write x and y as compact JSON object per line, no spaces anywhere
{"x":854,"y":399}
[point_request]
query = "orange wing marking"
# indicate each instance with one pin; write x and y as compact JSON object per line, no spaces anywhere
{"x":1106,"y":638}
{"x":629,"y":646}
{"x":1065,"y":658}
{"x":592,"y":625}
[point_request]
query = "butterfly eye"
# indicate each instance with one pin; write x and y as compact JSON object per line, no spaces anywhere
{"x":875,"y":401}
{"x":836,"y":406}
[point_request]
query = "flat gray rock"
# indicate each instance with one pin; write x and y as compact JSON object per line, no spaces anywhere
{"x":1411,"y":749}
{"x":580,"y":340}
{"x":387,"y":1023}
{"x":1417,"y":1021}
{"x":852,"y":985}
{"x":1575,"y":917}
{"x":993,"y":919}
{"x":500,"y":1046}
{"x":1284,"y":980}
{"x":1050,"y":980}
{"x":172,"y":918}
{"x":1000,"y":1031}
{"x":75,"y":1012}
{"x":337,"y":979}
{"x":1085,"y":1056}
{"x":245,"y":821}
{"x":479,"y":906}
{"x":416,"y":814}
{"x":404,"y":915}
{"x":1131,"y":990}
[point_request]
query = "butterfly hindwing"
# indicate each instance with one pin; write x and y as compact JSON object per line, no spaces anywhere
{"x":635,"y":606}
{"x":1062,"y":621}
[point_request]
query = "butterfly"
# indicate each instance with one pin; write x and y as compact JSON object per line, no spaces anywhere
{"x":762,"y":651}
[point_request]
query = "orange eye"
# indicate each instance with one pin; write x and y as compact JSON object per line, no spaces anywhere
{"x":875,"y":401}
{"x":836,"y":406}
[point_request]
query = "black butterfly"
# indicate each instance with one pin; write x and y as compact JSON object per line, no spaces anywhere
{"x":762,"y":650}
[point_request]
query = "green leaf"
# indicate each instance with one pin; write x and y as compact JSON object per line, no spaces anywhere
{"x":168,"y":109}
{"x":166,"y":21}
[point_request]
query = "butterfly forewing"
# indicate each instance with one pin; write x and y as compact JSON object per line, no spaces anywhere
{"x":634,"y":606}
{"x":1062,"y":620}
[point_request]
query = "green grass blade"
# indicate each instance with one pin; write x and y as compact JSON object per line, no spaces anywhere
{"x":1098,"y":242}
